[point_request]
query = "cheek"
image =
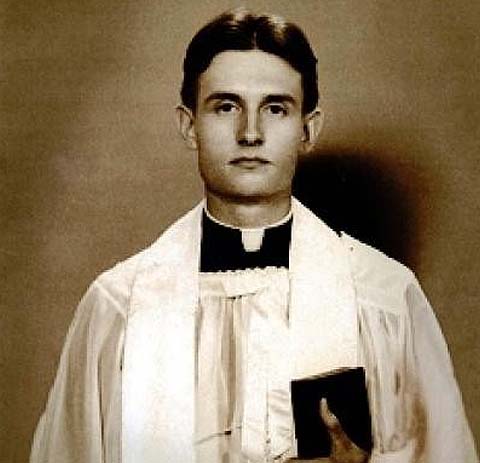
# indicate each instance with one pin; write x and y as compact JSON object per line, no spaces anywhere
{"x":211,"y":141}
{"x":288,"y":167}
{"x":211,"y":130}
{"x":288,"y":131}
{"x":286,"y":142}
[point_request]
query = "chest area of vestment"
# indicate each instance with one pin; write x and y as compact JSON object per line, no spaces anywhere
{"x":243,"y":354}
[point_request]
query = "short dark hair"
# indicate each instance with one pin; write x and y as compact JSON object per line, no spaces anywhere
{"x":241,"y":29}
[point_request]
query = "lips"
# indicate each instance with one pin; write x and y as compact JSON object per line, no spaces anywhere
{"x":249,"y":162}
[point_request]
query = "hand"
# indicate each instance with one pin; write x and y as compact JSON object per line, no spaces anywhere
{"x":343,"y":449}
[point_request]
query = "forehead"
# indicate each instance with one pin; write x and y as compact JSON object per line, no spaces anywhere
{"x":250,"y":72}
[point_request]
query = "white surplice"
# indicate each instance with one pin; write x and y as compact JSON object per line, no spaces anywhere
{"x":125,"y":387}
{"x":243,"y":407}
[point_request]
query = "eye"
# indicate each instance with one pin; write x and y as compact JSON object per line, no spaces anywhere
{"x":276,"y":109}
{"x":225,"y":107}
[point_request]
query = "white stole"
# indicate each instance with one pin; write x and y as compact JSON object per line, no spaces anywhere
{"x":158,"y":388}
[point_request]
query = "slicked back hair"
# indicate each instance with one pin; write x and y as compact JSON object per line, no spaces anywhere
{"x":242,"y":30}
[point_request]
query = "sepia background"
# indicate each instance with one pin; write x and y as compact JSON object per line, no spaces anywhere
{"x":92,"y":170}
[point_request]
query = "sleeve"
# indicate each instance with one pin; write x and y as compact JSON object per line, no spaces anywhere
{"x":82,"y":419}
{"x":446,"y":435}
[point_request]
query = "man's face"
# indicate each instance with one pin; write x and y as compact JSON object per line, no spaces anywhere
{"x":248,"y":126}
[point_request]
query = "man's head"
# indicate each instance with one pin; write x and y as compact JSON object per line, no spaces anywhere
{"x":242,"y":30}
{"x":249,"y":107}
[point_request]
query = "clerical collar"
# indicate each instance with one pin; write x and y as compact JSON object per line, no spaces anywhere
{"x":252,"y":238}
{"x":225,"y":247}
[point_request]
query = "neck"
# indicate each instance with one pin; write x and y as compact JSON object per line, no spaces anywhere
{"x":248,"y":214}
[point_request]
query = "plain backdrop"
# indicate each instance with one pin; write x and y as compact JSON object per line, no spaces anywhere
{"x":92,"y":169}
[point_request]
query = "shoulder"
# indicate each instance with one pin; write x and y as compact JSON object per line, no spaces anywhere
{"x":378,"y":279}
{"x":100,"y":317}
{"x":105,"y":302}
{"x":115,"y":285}
{"x":373,"y":266}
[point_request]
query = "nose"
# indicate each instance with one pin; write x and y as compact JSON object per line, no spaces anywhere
{"x":250,"y":131}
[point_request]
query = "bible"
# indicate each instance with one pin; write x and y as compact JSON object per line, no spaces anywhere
{"x":346,"y":394}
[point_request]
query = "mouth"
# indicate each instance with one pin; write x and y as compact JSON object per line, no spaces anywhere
{"x":249,"y":162}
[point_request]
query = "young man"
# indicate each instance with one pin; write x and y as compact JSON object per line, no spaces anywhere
{"x":186,"y":352}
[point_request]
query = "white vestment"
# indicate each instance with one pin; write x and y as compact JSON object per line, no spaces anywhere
{"x":243,"y":406}
{"x":125,"y":388}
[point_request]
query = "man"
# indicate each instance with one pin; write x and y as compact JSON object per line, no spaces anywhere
{"x":186,"y":352}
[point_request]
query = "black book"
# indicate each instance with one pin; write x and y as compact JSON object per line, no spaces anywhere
{"x":346,"y":394}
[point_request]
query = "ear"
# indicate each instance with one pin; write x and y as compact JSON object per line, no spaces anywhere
{"x":186,"y":125}
{"x":312,"y":126}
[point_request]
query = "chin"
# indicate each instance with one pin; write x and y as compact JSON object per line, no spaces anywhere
{"x":250,"y":190}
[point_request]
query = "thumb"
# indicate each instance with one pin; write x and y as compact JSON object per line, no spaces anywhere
{"x":331,"y":421}
{"x":343,"y":449}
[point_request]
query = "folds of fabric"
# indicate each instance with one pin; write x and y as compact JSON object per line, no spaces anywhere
{"x":243,"y":386}
{"x":125,"y":386}
{"x":83,"y":413}
{"x":158,"y":380}
{"x":417,"y":410}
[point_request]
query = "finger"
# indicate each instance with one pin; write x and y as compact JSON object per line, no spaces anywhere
{"x":331,"y":421}
{"x":343,"y":449}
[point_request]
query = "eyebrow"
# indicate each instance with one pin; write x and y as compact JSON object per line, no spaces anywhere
{"x":215,"y":96}
{"x":273,"y":98}
{"x":280,"y":98}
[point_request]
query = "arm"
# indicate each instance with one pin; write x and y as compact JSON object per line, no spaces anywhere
{"x":81,"y":422}
{"x":447,"y":436}
{"x":442,"y":432}
{"x":432,"y":407}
